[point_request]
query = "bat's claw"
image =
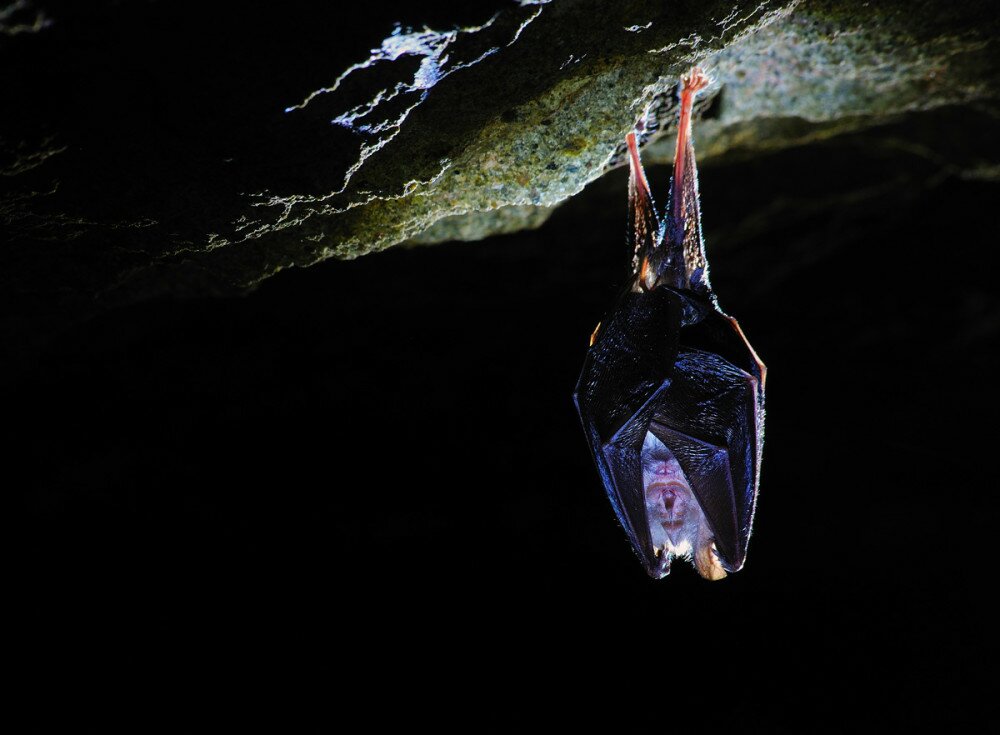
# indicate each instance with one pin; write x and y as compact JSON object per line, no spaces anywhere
{"x":694,"y":81}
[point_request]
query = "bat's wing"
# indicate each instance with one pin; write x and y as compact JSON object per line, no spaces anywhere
{"x":629,"y":363}
{"x":675,"y":366}
{"x":711,"y":419}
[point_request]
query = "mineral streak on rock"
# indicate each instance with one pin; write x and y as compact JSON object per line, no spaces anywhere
{"x":791,"y":72}
{"x":529,"y":122}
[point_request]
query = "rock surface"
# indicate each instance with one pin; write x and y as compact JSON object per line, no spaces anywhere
{"x":165,"y":149}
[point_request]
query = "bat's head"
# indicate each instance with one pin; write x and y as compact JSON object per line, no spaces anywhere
{"x":677,"y":525}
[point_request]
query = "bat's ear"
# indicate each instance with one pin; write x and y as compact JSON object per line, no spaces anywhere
{"x":643,"y":225}
{"x":706,"y":560}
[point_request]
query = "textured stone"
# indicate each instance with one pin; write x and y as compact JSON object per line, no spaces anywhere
{"x":205,"y":184}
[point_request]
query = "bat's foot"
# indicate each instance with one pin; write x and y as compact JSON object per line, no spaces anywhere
{"x":694,"y":81}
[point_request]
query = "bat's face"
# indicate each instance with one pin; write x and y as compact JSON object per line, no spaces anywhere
{"x":671,"y":509}
{"x":676,"y":522}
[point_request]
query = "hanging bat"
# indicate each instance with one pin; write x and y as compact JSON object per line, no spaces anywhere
{"x":671,"y":395}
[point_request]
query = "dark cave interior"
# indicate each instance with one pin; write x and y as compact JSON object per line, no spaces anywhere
{"x":366,"y":465}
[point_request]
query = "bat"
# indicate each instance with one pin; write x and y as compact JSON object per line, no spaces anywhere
{"x":671,"y":395}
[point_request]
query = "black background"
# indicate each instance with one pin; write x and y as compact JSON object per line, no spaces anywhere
{"x":371,"y":472}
